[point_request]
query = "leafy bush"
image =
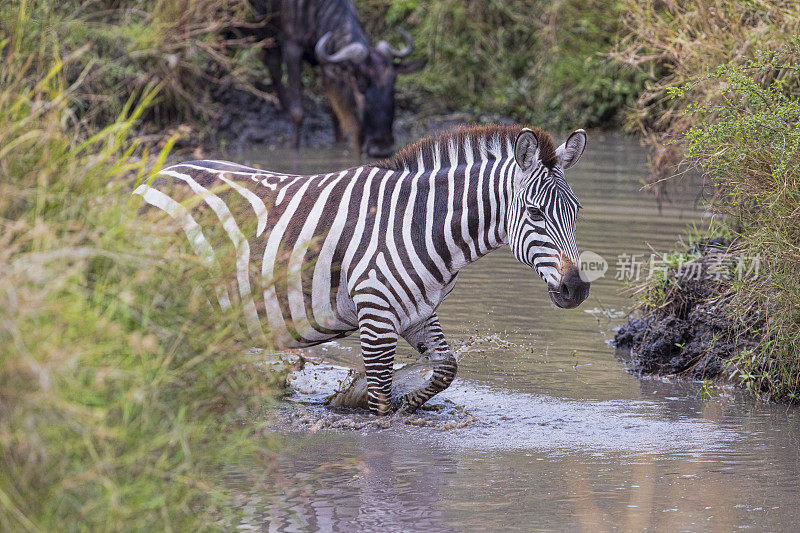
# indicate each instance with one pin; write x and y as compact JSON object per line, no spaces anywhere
{"x":673,"y":42}
{"x":122,"y":395}
{"x":747,"y":140}
{"x":538,"y":61}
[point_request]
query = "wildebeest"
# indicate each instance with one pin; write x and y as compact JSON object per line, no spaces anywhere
{"x":358,"y":78}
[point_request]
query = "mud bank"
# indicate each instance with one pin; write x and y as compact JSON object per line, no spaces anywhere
{"x":690,"y":331}
{"x":246,"y":120}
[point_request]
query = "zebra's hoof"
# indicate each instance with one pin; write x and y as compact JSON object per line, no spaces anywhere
{"x":405,"y":405}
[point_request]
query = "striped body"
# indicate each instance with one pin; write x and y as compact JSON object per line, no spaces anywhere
{"x":371,"y":248}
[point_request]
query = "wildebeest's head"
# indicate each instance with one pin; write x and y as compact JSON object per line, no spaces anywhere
{"x":371,"y":74}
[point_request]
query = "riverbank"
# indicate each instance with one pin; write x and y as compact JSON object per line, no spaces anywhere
{"x":727,"y":104}
{"x":123,"y":394}
{"x":685,"y":328}
{"x":247,"y":122}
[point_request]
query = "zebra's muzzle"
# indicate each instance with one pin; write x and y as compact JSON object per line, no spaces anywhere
{"x":572,"y":290}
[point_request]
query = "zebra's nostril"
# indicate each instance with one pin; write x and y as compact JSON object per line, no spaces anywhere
{"x":565,"y":291}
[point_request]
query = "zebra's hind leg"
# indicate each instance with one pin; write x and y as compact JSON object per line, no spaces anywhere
{"x":427,"y":338}
{"x":443,"y":374}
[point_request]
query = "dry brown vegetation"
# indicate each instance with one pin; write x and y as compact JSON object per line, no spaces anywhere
{"x":674,"y":42}
{"x":723,"y":99}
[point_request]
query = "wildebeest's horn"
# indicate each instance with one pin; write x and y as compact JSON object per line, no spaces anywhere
{"x":386,"y":49}
{"x":354,"y":52}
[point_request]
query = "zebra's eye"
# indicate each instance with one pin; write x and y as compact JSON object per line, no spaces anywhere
{"x":535,"y":214}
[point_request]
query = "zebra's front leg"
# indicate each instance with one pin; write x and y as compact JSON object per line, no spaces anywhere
{"x":378,"y":344}
{"x":427,"y":338}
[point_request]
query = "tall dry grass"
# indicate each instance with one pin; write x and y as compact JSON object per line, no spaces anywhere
{"x":184,"y":46}
{"x":673,"y":42}
{"x":123,"y":395}
{"x":723,"y":98}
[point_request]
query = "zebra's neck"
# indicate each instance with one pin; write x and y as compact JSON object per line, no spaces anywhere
{"x":460,"y":201}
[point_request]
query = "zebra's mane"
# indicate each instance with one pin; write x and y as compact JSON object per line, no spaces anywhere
{"x":425,"y":150}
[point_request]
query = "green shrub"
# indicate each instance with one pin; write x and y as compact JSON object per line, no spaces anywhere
{"x":537,"y":61}
{"x":674,"y":42}
{"x":747,"y":140}
{"x":122,"y":395}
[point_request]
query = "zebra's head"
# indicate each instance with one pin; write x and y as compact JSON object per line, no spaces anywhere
{"x":542,"y":212}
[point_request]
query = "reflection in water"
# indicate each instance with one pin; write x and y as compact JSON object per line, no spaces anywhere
{"x":356,"y":483}
{"x":563,"y":437}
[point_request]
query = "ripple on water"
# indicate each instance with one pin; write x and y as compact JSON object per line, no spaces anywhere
{"x":474,"y":416}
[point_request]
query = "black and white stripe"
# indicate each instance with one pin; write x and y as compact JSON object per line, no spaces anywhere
{"x":376,"y":248}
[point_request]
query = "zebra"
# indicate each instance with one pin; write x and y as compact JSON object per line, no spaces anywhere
{"x":378,"y":247}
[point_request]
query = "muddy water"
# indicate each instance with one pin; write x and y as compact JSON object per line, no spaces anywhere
{"x":543,"y":428}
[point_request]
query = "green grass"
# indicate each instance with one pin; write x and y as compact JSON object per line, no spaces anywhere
{"x":123,"y":394}
{"x":128,"y":45}
{"x":707,"y":390}
{"x":672,"y":43}
{"x":744,"y":136}
{"x":540,"y":62}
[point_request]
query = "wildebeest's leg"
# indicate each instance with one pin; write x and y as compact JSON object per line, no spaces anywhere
{"x":338,"y":134}
{"x":344,"y":122}
{"x":274,"y":59}
{"x":378,"y":344}
{"x":427,"y":338}
{"x":293,"y":55}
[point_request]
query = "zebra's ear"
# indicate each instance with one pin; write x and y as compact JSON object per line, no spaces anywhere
{"x":526,"y":149}
{"x":571,"y":151}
